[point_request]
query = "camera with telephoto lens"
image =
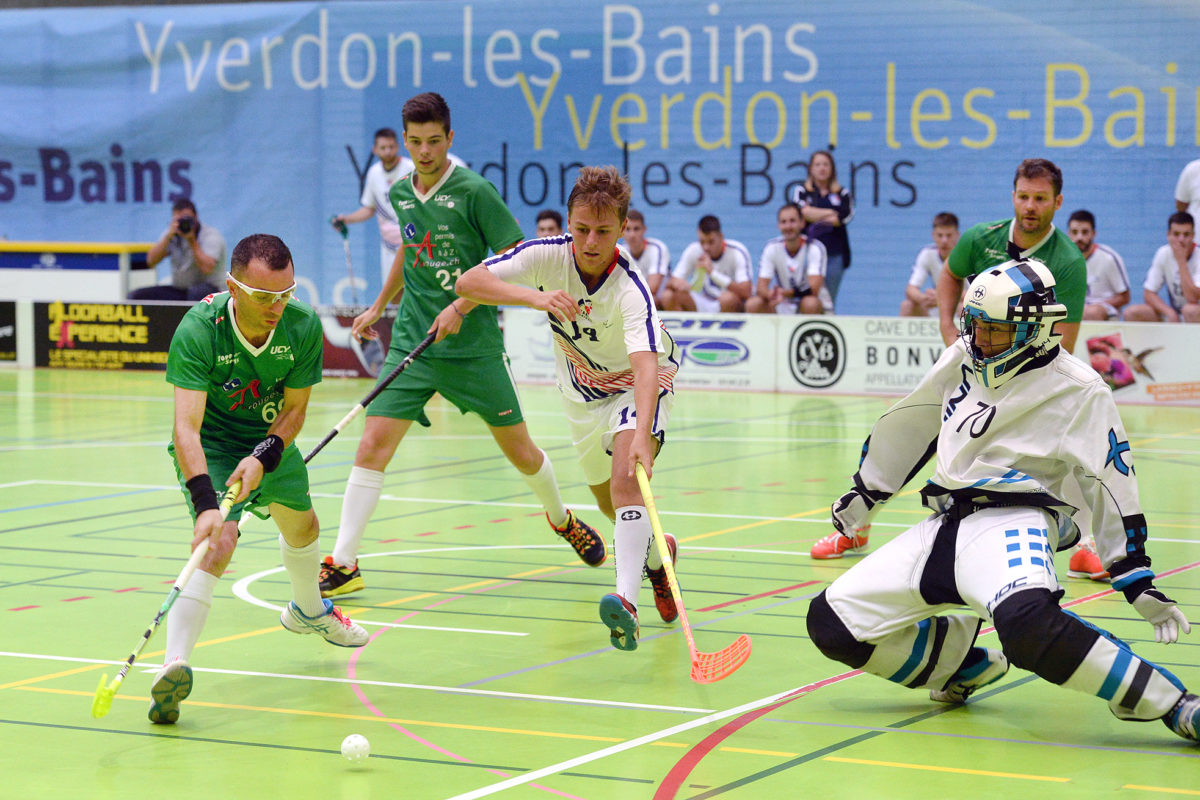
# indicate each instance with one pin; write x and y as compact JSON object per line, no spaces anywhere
{"x":184,"y":225}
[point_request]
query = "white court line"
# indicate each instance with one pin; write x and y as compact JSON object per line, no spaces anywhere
{"x":151,"y":668}
{"x":649,"y":738}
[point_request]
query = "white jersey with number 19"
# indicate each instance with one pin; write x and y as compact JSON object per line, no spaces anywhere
{"x":615,"y":319}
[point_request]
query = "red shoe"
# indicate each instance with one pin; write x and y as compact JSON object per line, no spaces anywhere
{"x":835,"y":545}
{"x":663,"y":599}
{"x":1085,"y":563}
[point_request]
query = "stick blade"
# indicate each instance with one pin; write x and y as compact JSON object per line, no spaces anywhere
{"x":103,"y":700}
{"x":712,"y":667}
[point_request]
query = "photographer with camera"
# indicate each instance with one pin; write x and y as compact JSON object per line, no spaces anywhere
{"x":196,"y":252}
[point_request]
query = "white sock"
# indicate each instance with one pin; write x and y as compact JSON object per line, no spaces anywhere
{"x":631,"y":537}
{"x":186,"y":618}
{"x":303,"y":565}
{"x":358,"y":504}
{"x":545,"y":486}
{"x":653,"y":557}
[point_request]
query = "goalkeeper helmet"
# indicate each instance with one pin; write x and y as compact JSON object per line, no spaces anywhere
{"x":1008,"y":319}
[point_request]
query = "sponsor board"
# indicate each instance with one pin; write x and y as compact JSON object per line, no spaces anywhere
{"x":104,"y":335}
{"x":347,"y":357}
{"x":8,"y":331}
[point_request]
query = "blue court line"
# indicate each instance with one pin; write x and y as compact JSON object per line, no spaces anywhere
{"x":80,"y":500}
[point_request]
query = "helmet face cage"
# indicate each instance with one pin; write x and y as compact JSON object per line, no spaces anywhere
{"x":1018,"y":294}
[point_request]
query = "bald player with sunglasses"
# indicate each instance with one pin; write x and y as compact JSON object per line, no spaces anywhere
{"x":243,"y":363}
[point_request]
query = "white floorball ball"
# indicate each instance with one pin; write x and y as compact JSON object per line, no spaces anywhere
{"x":355,"y":748}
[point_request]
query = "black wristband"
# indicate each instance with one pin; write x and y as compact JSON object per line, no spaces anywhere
{"x":1136,"y":588}
{"x":204,"y":497}
{"x":269,"y":451}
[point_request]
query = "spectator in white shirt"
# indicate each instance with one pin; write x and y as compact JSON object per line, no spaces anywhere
{"x":1177,"y":266}
{"x":1107,"y":280}
{"x":931,"y":259}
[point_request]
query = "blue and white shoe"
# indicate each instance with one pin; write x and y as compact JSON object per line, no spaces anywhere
{"x":1184,"y":718}
{"x":620,"y":616}
{"x":171,"y":686}
{"x":332,"y":625}
{"x":988,"y":669}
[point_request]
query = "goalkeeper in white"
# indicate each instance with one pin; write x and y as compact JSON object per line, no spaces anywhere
{"x":1024,"y":436}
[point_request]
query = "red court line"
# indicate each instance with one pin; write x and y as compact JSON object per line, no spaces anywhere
{"x":756,"y":596}
{"x":130,"y":589}
{"x":73,"y":599}
{"x":679,"y":773}
{"x":22,"y":608}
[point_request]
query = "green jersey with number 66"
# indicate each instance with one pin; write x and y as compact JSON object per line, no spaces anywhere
{"x":244,"y":383}
{"x":448,"y":230}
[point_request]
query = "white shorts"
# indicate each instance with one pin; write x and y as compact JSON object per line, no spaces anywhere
{"x":387,"y":255}
{"x":998,"y":551}
{"x":595,"y":424}
{"x":706,"y":304}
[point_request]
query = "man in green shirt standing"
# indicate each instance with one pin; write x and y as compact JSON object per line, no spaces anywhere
{"x":450,"y":217}
{"x":1037,"y":194}
{"x":243,"y":363}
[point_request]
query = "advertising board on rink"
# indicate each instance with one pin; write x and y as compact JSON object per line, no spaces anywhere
{"x":104,"y":335}
{"x":1149,"y":364}
{"x":8,"y":331}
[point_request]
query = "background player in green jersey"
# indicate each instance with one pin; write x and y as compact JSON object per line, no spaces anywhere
{"x":1037,"y":194}
{"x":243,"y":363}
{"x":450,"y":218}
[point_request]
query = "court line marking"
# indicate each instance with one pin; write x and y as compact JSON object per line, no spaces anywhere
{"x":145,"y":667}
{"x":1160,"y":789}
{"x":957,"y":770}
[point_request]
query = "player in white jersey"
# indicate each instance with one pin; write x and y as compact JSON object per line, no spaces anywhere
{"x":1177,"y":266}
{"x":616,"y":367}
{"x":1107,"y":280}
{"x":651,"y":256}
{"x":791,"y":271}
{"x":380,"y":176}
{"x":931,"y":260}
{"x":1021,"y":431}
{"x":726,"y":267}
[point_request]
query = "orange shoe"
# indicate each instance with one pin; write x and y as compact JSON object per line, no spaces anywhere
{"x":835,"y":545}
{"x":1085,"y":563}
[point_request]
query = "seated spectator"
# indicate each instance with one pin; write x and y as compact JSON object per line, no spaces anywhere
{"x":197,"y":254}
{"x":931,"y":259}
{"x":791,"y":272}
{"x":713,"y":274}
{"x":827,"y":208}
{"x":1177,"y":265}
{"x":650,"y":255}
{"x":549,"y":223}
{"x":1107,"y":280}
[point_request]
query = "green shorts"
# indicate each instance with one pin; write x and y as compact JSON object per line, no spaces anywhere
{"x":287,"y":485}
{"x":482,"y":385}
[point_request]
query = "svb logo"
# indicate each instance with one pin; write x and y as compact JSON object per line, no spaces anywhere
{"x":817,"y":354}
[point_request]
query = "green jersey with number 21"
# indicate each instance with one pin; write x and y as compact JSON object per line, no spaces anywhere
{"x":244,"y":383}
{"x":446,"y":232}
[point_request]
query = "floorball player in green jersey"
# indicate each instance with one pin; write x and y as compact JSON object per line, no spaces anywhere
{"x":450,"y":218}
{"x":243,"y":363}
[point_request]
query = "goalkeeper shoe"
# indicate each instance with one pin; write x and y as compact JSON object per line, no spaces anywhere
{"x":333,"y":626}
{"x":835,"y":545}
{"x":989,"y":667}
{"x":171,"y":686}
{"x":620,"y":616}
{"x":583,"y":537}
{"x":663,"y":599}
{"x":336,"y":579}
{"x":1085,"y":563}
{"x":1184,"y":718}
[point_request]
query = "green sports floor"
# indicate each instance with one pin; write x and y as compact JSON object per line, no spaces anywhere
{"x":488,"y":672}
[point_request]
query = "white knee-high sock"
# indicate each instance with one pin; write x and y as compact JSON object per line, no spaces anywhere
{"x":303,"y":565}
{"x":545,"y":486}
{"x":186,"y":618}
{"x":631,"y":537}
{"x":358,"y":504}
